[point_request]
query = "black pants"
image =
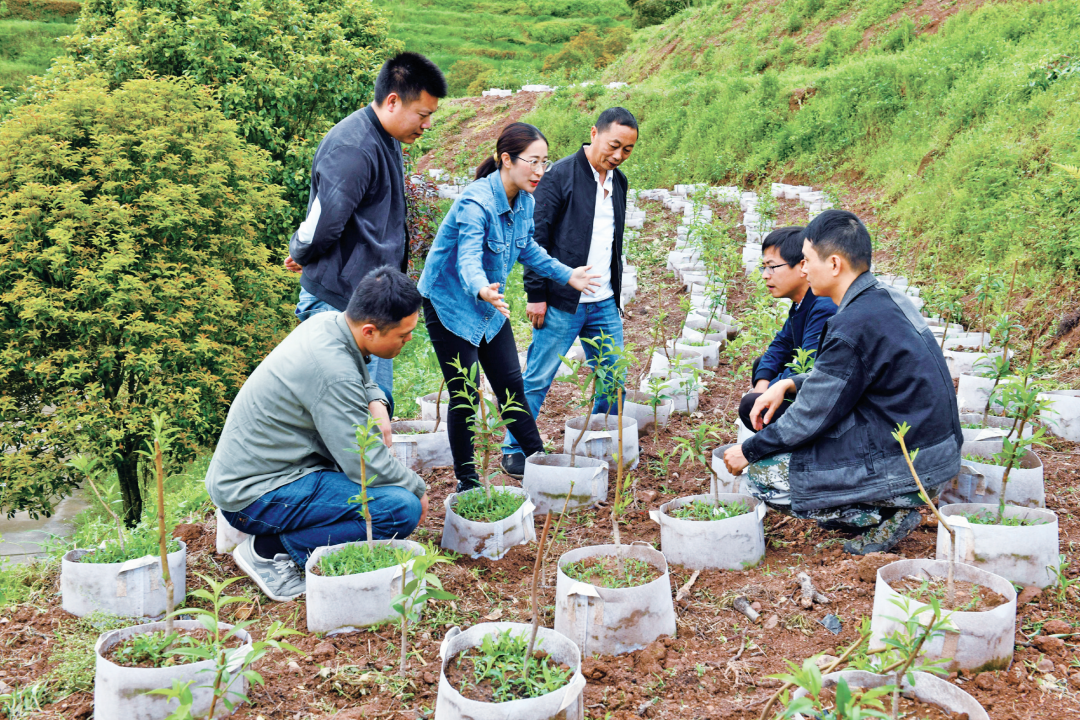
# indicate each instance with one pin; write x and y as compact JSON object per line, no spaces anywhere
{"x":747,"y":404}
{"x":499,"y":361}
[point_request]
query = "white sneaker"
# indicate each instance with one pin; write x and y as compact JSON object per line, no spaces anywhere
{"x":280,"y":578}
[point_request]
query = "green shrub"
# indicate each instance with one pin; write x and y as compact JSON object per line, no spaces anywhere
{"x":284,"y":70}
{"x":589,"y":50}
{"x":554,"y":32}
{"x":42,"y":10}
{"x":131,"y":279}
{"x":463,"y":73}
{"x":794,"y":23}
{"x":900,"y":36}
{"x":654,"y":12}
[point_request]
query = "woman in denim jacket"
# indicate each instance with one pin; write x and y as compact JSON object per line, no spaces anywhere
{"x":489,"y":228}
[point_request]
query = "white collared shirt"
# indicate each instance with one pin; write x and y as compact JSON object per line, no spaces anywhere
{"x":603,"y":238}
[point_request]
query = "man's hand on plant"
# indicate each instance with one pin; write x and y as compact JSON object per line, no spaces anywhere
{"x":769,"y":402}
{"x":382,"y":416}
{"x":423,"y":510}
{"x":492,"y":295}
{"x":536,"y":311}
{"x":292,"y":265}
{"x":735,"y":460}
{"x":584,"y":281}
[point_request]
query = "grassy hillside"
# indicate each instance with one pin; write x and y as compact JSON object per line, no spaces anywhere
{"x":955,"y":128}
{"x":508,"y":38}
{"x":26,"y":48}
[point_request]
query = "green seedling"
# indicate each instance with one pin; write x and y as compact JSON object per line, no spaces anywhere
{"x":368,"y":436}
{"x":906,"y":643}
{"x":155,"y":649}
{"x":143,"y":540}
{"x":985,"y":518}
{"x":355,"y":559}
{"x":901,"y":431}
{"x":658,"y":393}
{"x":597,"y":571}
{"x":495,"y":506}
{"x":415,"y":593}
{"x":156,"y":445}
{"x":93,"y":470}
{"x":1061,"y":581}
{"x":487,"y":418}
{"x":694,"y":450}
{"x":501,"y":660}
{"x":705,"y":511}
{"x":583,"y":377}
{"x":532,"y":597}
{"x":229,"y":664}
{"x":803,"y":362}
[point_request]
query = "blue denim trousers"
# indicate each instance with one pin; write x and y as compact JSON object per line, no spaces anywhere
{"x":314,"y":511}
{"x":380,"y":369}
{"x":554,"y":339}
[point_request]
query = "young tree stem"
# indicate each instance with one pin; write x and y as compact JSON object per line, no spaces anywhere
{"x":160,"y":468}
{"x":535,"y":608}
{"x":950,"y":586}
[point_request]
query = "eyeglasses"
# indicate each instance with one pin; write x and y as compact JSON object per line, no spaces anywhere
{"x":769,"y":269}
{"x":546,"y":163}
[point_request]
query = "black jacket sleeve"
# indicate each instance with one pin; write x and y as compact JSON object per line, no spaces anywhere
{"x":550,"y":197}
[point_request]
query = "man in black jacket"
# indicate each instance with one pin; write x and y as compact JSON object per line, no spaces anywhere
{"x":356,"y":210}
{"x":832,"y":457}
{"x":580,"y":215}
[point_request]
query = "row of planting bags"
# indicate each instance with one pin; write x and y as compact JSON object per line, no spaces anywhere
{"x":589,"y":618}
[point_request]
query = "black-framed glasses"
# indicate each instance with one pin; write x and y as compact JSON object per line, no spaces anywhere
{"x":546,"y":163}
{"x":769,"y":269}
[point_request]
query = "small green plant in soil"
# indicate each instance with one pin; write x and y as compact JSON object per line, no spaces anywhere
{"x":1062,"y":583}
{"x":487,"y":419}
{"x":987,"y":518}
{"x":424,"y":586}
{"x":478,"y":507}
{"x":229,"y":663}
{"x":991,"y":460}
{"x":500,"y":662}
{"x":603,"y":571}
{"x":705,"y":511}
{"x":803,"y":362}
{"x":367,"y":435}
{"x":141,"y":541}
{"x":356,"y":559}
{"x":156,"y":649}
{"x":694,"y":450}
{"x":933,"y":589}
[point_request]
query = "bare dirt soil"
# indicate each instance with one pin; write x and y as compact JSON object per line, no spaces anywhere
{"x":717,"y":665}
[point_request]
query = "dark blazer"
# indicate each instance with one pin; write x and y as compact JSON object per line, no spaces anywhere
{"x":565,"y":204}
{"x":878,"y":365}
{"x":356,"y":210}
{"x":801,"y":330}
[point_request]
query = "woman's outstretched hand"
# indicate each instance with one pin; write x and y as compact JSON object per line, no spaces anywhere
{"x":584,"y":281}
{"x":492,"y":295}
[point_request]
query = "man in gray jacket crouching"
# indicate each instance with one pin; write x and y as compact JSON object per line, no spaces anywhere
{"x":285,"y":466}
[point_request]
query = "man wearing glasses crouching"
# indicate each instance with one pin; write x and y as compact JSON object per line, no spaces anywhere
{"x":782,"y":268}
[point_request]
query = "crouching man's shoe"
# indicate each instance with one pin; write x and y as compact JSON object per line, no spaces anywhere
{"x":513,"y":464}
{"x":885,"y":536}
{"x":280,"y":578}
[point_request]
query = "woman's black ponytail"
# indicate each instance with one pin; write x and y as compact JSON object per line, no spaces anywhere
{"x":513,"y":140}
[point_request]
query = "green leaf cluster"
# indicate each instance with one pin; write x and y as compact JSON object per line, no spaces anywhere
{"x":131,"y":277}
{"x":500,"y":660}
{"x":284,"y":70}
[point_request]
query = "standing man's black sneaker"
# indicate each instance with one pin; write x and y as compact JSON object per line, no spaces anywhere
{"x":467,"y":484}
{"x":513,"y":464}
{"x":885,"y":536}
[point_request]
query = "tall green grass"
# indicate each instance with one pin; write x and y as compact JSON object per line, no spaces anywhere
{"x":27,"y":48}
{"x":511,"y":37}
{"x":958,"y":130}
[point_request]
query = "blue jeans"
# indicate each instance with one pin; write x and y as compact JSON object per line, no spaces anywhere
{"x":314,"y":511}
{"x":554,"y":339}
{"x":380,"y":369}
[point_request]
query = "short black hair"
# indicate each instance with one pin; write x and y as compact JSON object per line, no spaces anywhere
{"x":615,"y":116}
{"x":383,"y":298}
{"x":409,"y":74}
{"x":788,"y":242}
{"x":839,"y":232}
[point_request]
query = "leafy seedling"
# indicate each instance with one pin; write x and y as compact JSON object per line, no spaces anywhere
{"x":424,"y":586}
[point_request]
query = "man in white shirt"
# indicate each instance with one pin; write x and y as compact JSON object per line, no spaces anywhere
{"x":580,"y":216}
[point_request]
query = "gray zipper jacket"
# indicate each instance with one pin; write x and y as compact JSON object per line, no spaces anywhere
{"x":295,"y":415}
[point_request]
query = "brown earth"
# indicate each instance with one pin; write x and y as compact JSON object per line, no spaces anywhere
{"x":718,"y":665}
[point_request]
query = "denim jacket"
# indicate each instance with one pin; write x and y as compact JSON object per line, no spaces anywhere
{"x":478,"y":243}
